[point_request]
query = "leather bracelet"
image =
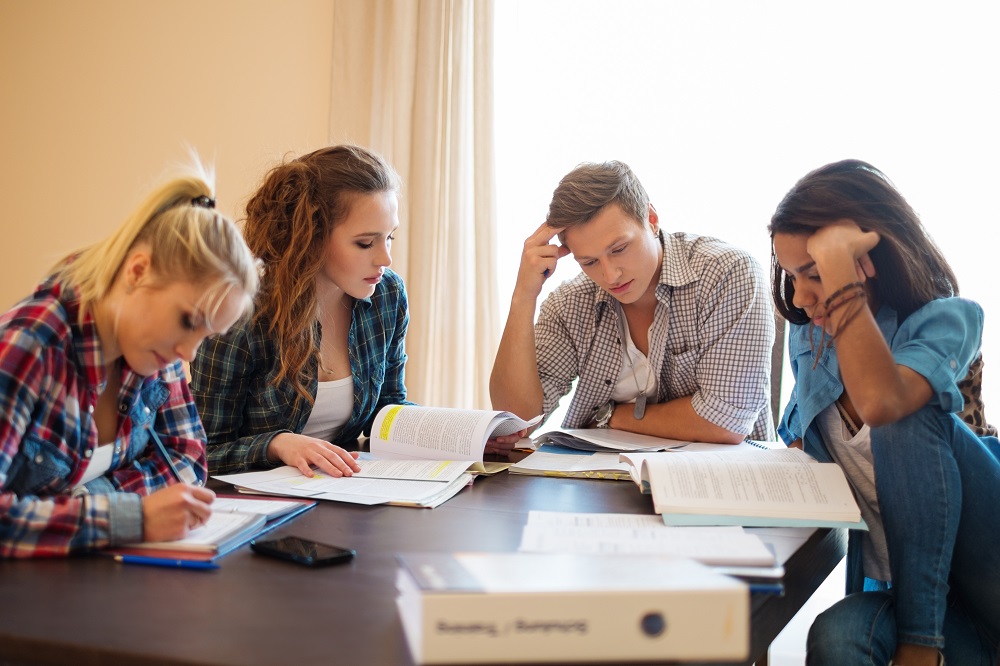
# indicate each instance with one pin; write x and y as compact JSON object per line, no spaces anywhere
{"x":842,"y":290}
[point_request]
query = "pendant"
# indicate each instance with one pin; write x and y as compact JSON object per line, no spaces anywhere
{"x":640,"y":406}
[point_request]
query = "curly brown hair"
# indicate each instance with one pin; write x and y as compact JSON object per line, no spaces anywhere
{"x":288,"y":221}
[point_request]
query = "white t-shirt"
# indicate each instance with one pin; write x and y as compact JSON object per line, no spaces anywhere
{"x":854,"y":455}
{"x":635,"y":374}
{"x":100,"y":463}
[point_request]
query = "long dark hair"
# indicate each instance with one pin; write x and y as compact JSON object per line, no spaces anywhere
{"x":911,"y":270}
{"x":289,"y":220}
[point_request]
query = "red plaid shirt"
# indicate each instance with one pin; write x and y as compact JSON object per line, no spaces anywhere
{"x":51,"y":373}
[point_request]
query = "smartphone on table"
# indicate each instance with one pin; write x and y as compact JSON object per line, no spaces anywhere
{"x":302,"y":551}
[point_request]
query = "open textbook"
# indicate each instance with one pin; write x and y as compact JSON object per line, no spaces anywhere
{"x":764,"y":488}
{"x":415,"y":483}
{"x":440,"y":433}
{"x":561,"y":453}
{"x":419,"y":457}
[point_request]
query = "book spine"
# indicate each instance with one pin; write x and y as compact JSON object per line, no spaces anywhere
{"x":581,"y":627}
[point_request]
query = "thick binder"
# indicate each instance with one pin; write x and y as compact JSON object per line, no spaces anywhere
{"x":546,"y":607}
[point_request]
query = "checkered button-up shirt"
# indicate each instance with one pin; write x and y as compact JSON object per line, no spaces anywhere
{"x":242,"y":408}
{"x":51,"y":373}
{"x":711,"y":338}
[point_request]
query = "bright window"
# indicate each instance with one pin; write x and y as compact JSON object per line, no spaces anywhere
{"x":719,"y":107}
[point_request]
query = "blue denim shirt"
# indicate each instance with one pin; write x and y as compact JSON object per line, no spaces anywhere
{"x":939,"y":341}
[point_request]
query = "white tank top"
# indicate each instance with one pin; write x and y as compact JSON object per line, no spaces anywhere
{"x":332,"y":409}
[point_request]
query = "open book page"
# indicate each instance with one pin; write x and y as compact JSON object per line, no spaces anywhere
{"x":439,"y":433}
{"x":778,"y":484}
{"x":354,"y":489}
{"x":562,"y":462}
{"x":638,"y":470}
{"x":269,"y":508}
{"x":636,"y":534}
{"x":439,"y":471}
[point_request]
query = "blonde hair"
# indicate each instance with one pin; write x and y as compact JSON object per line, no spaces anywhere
{"x":187,"y":238}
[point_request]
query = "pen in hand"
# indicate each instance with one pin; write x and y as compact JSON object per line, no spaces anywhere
{"x":193,"y":497}
{"x":166,"y":455}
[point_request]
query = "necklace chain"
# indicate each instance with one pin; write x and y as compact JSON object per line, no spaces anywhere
{"x":640,"y":400}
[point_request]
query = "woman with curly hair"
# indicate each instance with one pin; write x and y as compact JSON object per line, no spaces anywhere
{"x":326,"y":348}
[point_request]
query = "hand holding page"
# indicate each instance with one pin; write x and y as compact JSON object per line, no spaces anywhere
{"x":440,"y":433}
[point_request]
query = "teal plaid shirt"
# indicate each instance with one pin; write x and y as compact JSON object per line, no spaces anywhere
{"x":241,"y":408}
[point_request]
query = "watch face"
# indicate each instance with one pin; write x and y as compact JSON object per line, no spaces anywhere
{"x":604,"y":414}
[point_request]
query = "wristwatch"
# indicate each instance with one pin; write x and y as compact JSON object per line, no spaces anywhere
{"x":602,"y":417}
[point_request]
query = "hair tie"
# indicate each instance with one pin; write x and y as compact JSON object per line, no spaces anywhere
{"x":203,"y":202}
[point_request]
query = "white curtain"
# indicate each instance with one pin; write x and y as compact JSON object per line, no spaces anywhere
{"x":413,"y":80}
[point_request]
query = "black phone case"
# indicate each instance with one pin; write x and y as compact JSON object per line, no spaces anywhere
{"x":271,"y":548}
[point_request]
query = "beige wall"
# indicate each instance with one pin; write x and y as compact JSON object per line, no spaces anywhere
{"x":98,"y":98}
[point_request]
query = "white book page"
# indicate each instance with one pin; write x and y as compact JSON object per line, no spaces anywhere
{"x":637,"y":462}
{"x":631,"y":534}
{"x":608,"y":439}
{"x":219,"y":527}
{"x":702,"y":483}
{"x":266,"y":507}
{"x":357,"y":490}
{"x":543,"y":461}
{"x":409,"y":431}
{"x":439,"y":471}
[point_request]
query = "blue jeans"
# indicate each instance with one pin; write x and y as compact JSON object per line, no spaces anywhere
{"x":938,"y":487}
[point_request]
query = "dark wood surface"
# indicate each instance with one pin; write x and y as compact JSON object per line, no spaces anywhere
{"x":257,"y":610}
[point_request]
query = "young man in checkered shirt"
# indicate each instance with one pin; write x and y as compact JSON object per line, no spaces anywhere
{"x":667,"y":335}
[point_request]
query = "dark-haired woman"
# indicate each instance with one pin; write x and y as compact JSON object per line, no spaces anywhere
{"x":887,"y":365}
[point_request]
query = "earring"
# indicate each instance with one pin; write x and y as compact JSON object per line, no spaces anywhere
{"x":128,"y":289}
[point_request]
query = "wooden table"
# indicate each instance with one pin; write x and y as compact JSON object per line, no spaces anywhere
{"x":256,"y":610}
